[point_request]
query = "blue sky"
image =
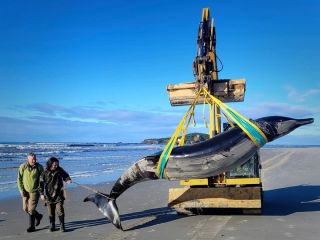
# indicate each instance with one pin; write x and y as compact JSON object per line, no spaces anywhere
{"x":96,"y":71}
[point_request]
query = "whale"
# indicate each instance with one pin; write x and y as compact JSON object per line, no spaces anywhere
{"x":205,"y":159}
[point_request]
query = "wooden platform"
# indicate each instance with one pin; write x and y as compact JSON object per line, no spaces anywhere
{"x":224,"y":197}
{"x":225,"y":90}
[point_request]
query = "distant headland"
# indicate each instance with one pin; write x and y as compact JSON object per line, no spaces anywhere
{"x":190,"y":139}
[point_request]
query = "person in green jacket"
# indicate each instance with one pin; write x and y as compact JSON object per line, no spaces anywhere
{"x":28,"y":185}
{"x":51,"y":189}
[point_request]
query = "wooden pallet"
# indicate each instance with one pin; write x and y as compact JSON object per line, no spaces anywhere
{"x":225,"y":90}
{"x":247,"y":198}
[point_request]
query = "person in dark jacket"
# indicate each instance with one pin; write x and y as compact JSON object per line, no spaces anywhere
{"x":52,"y":192}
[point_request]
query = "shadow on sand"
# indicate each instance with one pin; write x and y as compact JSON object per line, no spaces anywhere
{"x":157,"y":215}
{"x":288,"y":200}
{"x":277,"y":202}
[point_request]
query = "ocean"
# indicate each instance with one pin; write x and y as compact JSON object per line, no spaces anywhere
{"x":86,"y":163}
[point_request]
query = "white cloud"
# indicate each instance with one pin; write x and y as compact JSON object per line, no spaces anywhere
{"x":45,"y":122}
{"x":271,"y":108}
{"x":300,"y":96}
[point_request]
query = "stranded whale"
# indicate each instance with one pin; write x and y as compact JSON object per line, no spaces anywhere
{"x":201,"y":160}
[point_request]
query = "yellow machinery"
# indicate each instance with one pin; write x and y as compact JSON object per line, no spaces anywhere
{"x":241,"y":188}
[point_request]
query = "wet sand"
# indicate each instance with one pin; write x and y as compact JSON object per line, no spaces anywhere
{"x":291,"y":180}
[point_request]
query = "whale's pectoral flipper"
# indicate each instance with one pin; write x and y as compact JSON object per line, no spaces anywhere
{"x":107,"y":206}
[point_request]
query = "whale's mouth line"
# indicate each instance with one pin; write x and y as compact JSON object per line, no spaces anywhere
{"x":305,"y":121}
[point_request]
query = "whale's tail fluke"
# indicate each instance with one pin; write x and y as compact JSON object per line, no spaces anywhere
{"x":141,"y":170}
{"x":107,"y":206}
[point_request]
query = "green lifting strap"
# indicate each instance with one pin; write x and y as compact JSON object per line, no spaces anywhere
{"x":249,"y":129}
{"x":252,"y":131}
{"x":160,"y":172}
{"x":168,"y":148}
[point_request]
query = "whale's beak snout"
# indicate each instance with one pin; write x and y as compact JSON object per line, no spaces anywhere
{"x":305,"y":121}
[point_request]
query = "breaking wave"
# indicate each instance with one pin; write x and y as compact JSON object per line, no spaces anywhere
{"x":87,"y":163}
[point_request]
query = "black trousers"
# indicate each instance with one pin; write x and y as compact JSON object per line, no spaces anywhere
{"x":55,"y":207}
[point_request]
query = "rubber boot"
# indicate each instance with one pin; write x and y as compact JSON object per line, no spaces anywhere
{"x":31,"y":223}
{"x":62,"y":228}
{"x":52,"y":224}
{"x":38,"y":216}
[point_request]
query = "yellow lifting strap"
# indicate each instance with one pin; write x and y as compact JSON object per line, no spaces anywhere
{"x":250,"y":129}
{"x":184,"y":131}
{"x":173,"y":140}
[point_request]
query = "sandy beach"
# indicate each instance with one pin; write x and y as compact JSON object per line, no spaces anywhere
{"x":291,"y":209}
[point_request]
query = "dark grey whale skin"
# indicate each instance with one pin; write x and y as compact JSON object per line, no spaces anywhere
{"x":201,"y":160}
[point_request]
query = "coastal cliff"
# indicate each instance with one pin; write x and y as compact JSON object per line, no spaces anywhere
{"x":190,"y":139}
